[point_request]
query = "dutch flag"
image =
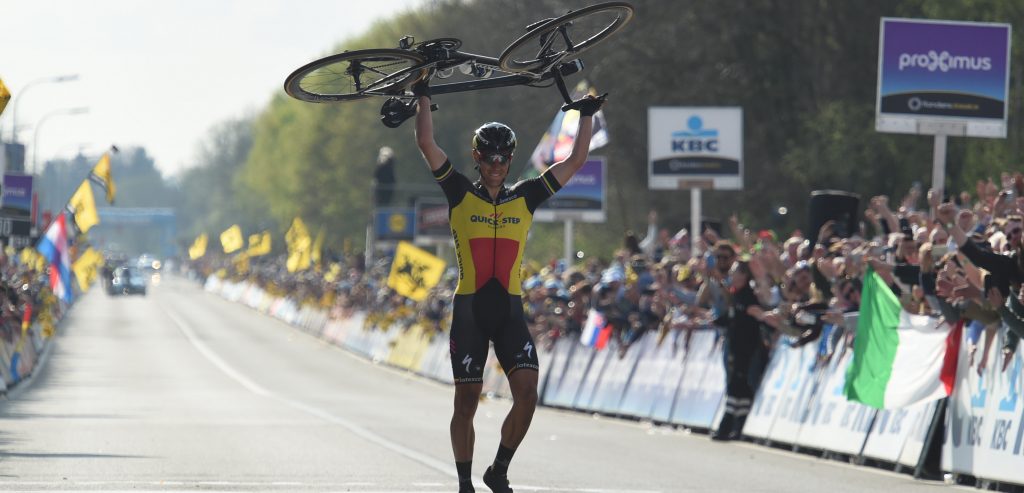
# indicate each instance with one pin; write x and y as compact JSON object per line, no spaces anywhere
{"x":55,"y":248}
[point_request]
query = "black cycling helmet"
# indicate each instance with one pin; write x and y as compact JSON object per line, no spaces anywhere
{"x":494,"y":137}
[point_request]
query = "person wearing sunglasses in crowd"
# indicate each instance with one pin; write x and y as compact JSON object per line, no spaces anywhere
{"x":489,"y":223}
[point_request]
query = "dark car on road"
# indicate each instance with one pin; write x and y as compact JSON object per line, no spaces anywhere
{"x":127,"y":280}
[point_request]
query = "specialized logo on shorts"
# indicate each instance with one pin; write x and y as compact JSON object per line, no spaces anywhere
{"x":467,"y":361}
{"x":529,"y":349}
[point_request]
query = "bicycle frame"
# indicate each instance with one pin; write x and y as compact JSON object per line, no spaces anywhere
{"x":556,"y":73}
{"x":439,"y":58}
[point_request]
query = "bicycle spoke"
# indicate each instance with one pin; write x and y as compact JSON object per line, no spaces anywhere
{"x":564,"y":38}
{"x":355,"y":75}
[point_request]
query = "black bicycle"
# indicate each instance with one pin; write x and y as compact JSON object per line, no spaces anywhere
{"x":548,"y":52}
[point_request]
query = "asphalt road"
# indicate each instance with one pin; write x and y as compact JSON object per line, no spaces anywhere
{"x":182,"y":390}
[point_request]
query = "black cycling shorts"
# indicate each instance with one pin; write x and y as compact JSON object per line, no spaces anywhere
{"x":490,"y":314}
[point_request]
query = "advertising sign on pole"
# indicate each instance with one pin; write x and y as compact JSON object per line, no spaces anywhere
{"x":695,"y":148}
{"x":432,"y":225}
{"x":17,"y":195}
{"x":582,"y":198}
{"x":943,"y":77}
{"x":395,"y":223}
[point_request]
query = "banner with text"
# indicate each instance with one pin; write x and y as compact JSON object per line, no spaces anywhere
{"x":936,"y":72}
{"x":694,"y":147}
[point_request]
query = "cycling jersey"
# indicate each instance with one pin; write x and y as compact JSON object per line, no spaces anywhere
{"x":490,"y":235}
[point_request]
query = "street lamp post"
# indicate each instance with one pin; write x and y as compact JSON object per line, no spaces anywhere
{"x":17,"y":98}
{"x":35,"y":138}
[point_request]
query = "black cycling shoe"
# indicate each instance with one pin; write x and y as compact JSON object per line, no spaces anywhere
{"x":497,"y":484}
{"x":467,"y":487}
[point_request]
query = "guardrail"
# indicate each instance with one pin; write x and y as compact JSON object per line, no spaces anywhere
{"x":681,"y":381}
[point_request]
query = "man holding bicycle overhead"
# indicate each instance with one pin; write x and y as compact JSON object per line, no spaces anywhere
{"x":489,"y":223}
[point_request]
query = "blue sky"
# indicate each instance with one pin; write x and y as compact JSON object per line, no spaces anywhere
{"x":160,"y":74}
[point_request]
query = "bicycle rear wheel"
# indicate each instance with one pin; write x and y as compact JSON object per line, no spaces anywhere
{"x":565,"y":38}
{"x":355,"y":75}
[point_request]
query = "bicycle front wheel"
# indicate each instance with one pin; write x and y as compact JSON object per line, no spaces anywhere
{"x":355,"y":75}
{"x":564,"y":38}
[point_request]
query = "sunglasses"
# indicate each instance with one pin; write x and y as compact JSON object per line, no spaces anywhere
{"x":723,"y":256}
{"x":1015,"y":231}
{"x":496,"y":158}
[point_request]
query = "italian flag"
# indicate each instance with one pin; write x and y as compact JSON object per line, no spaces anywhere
{"x":899,"y":359}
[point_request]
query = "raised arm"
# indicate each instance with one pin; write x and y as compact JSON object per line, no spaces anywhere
{"x":432,"y":153}
{"x":565,"y":169}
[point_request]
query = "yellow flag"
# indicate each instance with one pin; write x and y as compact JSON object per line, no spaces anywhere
{"x":231,"y":239}
{"x":318,"y":246}
{"x":259,"y":244}
{"x":85,"y":268}
{"x":5,"y":96}
{"x":27,"y":256}
{"x":299,"y":243}
{"x":414,"y":271}
{"x":102,"y":176}
{"x":83,"y":206}
{"x":198,"y":248}
{"x":241,"y":262}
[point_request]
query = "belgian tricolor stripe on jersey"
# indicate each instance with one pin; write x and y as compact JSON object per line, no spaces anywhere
{"x":490,"y":235}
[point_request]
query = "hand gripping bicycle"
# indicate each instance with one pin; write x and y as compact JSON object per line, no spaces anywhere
{"x":548,"y":52}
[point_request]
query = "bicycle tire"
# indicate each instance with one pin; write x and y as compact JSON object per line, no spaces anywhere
{"x":380,"y":72}
{"x":596,"y":22}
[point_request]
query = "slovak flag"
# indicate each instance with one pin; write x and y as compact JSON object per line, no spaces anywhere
{"x":55,"y":248}
{"x":596,"y":331}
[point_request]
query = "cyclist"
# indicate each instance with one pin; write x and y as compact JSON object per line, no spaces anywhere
{"x":489,"y":223}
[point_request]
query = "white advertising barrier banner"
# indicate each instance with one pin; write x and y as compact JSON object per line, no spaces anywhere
{"x":833,"y":422}
{"x":919,"y":427}
{"x":703,"y":386}
{"x":356,"y":340}
{"x":432,"y":356}
{"x":382,"y":343}
{"x":575,"y":372}
{"x":212,"y":284}
{"x":559,"y":360}
{"x":794,"y":403}
{"x":984,"y":432}
{"x":890,"y":434}
{"x":764,"y":408}
{"x":254,"y":296}
{"x":616,"y":378}
{"x":347,"y":326}
{"x":649,"y":377}
{"x":584,"y":399}
{"x":674,"y":374}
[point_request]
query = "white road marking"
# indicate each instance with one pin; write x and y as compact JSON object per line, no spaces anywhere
{"x":442,"y":467}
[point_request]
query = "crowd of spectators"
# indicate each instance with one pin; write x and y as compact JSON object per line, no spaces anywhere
{"x":958,"y":257}
{"x":24,"y":289}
